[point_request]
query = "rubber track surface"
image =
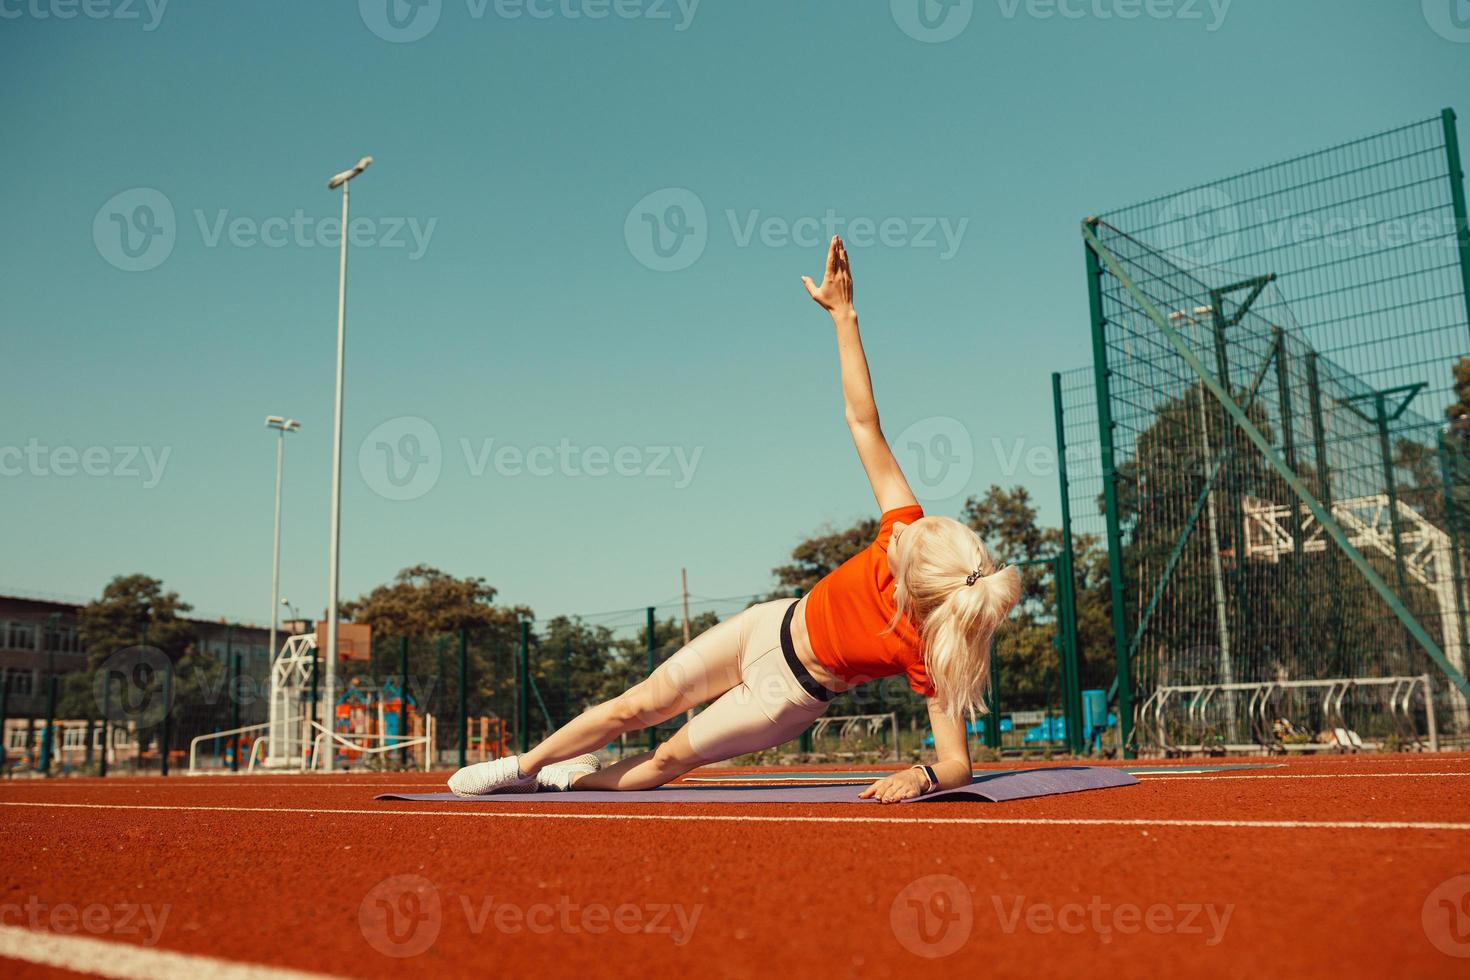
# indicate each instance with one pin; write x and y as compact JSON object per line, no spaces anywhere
{"x":309,"y":872}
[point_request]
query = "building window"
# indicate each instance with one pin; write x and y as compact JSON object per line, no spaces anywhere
{"x":74,"y":737}
{"x":15,"y":740}
{"x":20,"y":681}
{"x":22,"y":636}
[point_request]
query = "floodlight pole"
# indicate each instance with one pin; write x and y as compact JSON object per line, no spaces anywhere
{"x":282,"y":426}
{"x":335,"y":548}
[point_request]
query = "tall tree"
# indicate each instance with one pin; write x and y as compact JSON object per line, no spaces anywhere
{"x":422,"y":600}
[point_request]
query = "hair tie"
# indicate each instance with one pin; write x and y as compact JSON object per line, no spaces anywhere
{"x":974,"y":577}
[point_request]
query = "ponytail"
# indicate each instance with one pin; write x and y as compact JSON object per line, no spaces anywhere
{"x":952,"y":591}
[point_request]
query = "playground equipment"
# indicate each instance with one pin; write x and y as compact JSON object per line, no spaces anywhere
{"x":489,"y":738}
{"x":287,"y":738}
{"x":853,"y":727}
{"x":365,"y":720}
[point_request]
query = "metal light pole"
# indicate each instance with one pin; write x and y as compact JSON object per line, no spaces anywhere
{"x":282,"y":426}
{"x":335,"y":548}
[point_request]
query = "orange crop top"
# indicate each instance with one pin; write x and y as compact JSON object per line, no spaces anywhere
{"x":848,"y":612}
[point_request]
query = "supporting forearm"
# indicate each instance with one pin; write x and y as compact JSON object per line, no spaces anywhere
{"x":952,"y":773}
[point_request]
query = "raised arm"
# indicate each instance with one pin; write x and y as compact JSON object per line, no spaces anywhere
{"x":835,"y":296}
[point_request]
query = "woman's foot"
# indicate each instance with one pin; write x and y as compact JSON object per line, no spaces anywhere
{"x":495,"y":776}
{"x":559,"y":776}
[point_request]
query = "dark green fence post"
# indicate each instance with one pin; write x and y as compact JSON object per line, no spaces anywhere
{"x":164,"y":726}
{"x":403,"y":699}
{"x":1066,"y":579}
{"x":1102,"y":375}
{"x":652,"y":657}
{"x":992,"y":701}
{"x":523,"y":711}
{"x":48,"y":734}
{"x":1452,"y":521}
{"x":464,"y":721}
{"x":1457,"y":199}
{"x":4,"y":698}
{"x":106,"y":718}
{"x":234,"y":710}
{"x":1336,"y":620}
{"x":1288,"y":452}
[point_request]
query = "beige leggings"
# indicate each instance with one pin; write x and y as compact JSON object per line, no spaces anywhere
{"x":766,"y":708}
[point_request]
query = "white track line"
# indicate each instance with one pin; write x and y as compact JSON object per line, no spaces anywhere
{"x":753,"y":818}
{"x":125,"y":961}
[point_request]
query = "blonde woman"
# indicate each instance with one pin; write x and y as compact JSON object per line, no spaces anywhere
{"x":922,"y":601}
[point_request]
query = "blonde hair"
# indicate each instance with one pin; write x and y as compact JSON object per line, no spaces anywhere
{"x":952,"y":592}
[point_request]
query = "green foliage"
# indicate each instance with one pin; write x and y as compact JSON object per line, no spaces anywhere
{"x":423,"y":600}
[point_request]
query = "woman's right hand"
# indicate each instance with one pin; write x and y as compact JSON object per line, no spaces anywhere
{"x":835,"y":293}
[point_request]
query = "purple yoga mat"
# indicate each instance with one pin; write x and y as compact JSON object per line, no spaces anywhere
{"x":993,"y":787}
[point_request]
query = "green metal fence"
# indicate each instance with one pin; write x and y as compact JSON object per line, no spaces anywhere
{"x":1273,"y":354}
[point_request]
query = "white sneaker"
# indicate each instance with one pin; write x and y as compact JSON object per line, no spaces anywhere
{"x":558,"y":776}
{"x":495,"y":776}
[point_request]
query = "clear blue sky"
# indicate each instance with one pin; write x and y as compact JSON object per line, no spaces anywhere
{"x":505,"y":286}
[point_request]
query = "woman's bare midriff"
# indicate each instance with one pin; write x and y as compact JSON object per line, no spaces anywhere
{"x":802,"y":641}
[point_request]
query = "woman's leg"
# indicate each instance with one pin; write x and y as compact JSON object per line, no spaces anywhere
{"x":703,"y":670}
{"x":768,"y":708}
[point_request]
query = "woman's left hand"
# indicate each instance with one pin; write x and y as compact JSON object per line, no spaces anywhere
{"x":900,"y":786}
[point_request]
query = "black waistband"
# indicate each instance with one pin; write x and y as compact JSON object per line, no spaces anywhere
{"x":798,"y":669}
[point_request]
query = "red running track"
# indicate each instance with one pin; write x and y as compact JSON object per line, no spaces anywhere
{"x":1342,"y":866}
